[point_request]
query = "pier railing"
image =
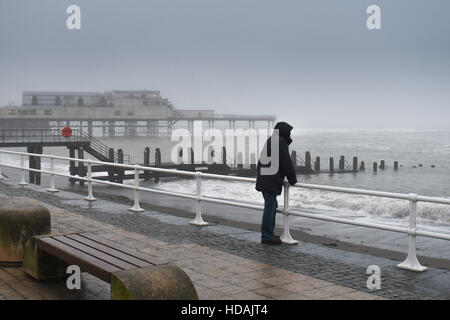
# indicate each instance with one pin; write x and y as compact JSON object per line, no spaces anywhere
{"x":39,"y":135}
{"x":49,"y":135}
{"x":410,"y":263}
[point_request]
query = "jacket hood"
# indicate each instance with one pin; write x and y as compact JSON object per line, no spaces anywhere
{"x":284,"y":130}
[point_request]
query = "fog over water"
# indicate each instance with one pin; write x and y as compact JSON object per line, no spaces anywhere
{"x":410,"y":148}
{"x":379,"y":95}
{"x":314,"y":63}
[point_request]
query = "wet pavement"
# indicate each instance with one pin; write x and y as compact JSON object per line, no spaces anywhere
{"x":314,"y":270}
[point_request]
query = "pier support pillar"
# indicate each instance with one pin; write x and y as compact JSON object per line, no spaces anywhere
{"x":331,"y":164}
{"x":111,"y":129}
{"x":90,"y":128}
{"x":169,"y":128}
{"x":81,"y":167}
{"x":131,"y":128}
{"x":253,"y":161}
{"x":240,"y":162}
{"x":72,"y":169}
{"x":35,"y":163}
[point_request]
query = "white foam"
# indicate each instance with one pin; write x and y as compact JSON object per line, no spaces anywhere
{"x":331,"y":202}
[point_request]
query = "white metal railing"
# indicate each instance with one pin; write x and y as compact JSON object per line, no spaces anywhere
{"x":410,"y":263}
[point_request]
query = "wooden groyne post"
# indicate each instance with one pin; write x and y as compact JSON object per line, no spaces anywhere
{"x":147,"y":156}
{"x":192,"y":155}
{"x":375,"y":167}
{"x":294,"y":158}
{"x":121,"y":171}
{"x":355,"y":164}
{"x":308,"y":160}
{"x":110,"y":169}
{"x":158,"y":162}
{"x":331,"y":164}
{"x":317,"y":164}
{"x":146,"y":161}
{"x":224,"y":155}
{"x":382,"y":165}
{"x":342,"y":163}
{"x":240,"y":164}
{"x":395,"y":165}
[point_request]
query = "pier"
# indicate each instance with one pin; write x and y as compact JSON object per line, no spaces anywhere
{"x":116,"y":113}
{"x":123,"y":121}
{"x":77,"y":143}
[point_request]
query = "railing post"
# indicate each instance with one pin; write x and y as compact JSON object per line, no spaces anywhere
{"x":198,"y":221}
{"x":411,"y":262}
{"x":90,"y":196}
{"x":1,"y":175}
{"x":136,"y":207}
{"x":52,"y":177}
{"x":22,"y":171}
{"x":286,"y":236}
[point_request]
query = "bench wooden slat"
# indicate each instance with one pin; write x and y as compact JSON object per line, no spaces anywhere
{"x":120,"y":248}
{"x":110,"y":251}
{"x":95,"y":253}
{"x":92,"y":265}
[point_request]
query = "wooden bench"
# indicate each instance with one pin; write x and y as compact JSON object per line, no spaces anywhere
{"x":132,"y":275}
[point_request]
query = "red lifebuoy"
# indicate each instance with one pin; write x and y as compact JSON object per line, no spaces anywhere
{"x":66,"y":132}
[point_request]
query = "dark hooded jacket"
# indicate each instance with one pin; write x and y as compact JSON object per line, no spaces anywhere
{"x":274,"y":183}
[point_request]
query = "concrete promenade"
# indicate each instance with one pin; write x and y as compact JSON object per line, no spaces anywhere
{"x":224,"y":262}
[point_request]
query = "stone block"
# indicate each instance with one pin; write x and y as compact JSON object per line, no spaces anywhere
{"x":20,"y":219}
{"x":161,"y":282}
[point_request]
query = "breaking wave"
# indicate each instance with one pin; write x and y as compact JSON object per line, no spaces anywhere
{"x":333,"y":202}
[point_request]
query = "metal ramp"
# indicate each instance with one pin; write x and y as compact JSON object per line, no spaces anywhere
{"x":53,"y":138}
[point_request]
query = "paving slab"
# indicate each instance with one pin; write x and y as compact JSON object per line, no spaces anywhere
{"x":204,"y":252}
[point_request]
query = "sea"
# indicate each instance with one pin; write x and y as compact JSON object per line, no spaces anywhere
{"x":424,"y":168}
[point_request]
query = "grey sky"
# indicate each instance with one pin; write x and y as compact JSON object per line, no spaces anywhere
{"x":312,"y":63}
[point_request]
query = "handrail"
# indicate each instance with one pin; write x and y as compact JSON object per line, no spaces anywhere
{"x":54,"y":135}
{"x":410,"y":263}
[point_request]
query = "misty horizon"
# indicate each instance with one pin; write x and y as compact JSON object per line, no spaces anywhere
{"x":312,"y":64}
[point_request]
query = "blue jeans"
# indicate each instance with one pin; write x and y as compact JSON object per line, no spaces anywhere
{"x":268,"y":220}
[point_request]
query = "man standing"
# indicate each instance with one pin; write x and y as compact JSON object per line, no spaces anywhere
{"x":270,"y":177}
